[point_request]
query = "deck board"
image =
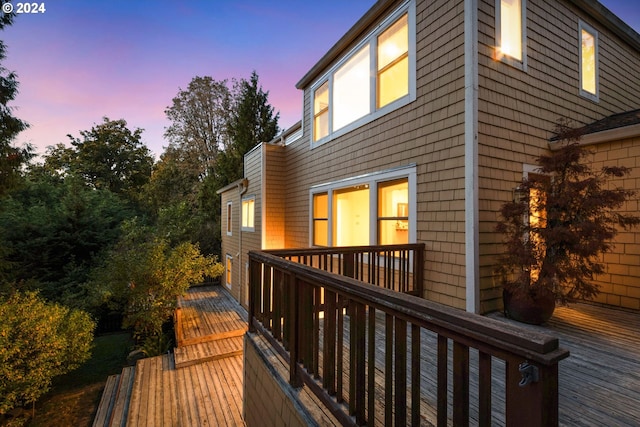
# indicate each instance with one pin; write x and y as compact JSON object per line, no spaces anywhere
{"x":206,"y":390}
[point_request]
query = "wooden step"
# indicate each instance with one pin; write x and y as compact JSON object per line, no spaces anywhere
{"x":123,"y":397}
{"x":107,"y":401}
{"x":212,"y":350}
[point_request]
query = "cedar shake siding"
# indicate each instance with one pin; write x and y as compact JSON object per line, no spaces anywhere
{"x":469,"y":129}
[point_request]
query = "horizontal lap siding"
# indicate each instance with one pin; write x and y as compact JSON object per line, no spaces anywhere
{"x":252,"y":240}
{"x":230,"y":244}
{"x":519,"y":109}
{"x":275,"y":188}
{"x":428,"y":132}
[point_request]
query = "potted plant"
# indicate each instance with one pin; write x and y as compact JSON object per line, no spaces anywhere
{"x":559,"y":223}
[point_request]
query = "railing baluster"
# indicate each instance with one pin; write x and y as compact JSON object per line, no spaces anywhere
{"x":266,"y":297}
{"x":294,"y":332}
{"x":484,"y":389}
{"x":316,"y":331}
{"x":277,"y":304}
{"x":401,"y":372}
{"x":443,"y":351}
{"x":340,"y":349}
{"x":415,"y":374}
{"x":371,"y":367}
{"x":460,"y":384}
{"x":329,"y":353}
{"x":388,"y":368}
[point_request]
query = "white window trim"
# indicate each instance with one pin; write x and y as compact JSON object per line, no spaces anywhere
{"x":521,"y":65}
{"x":246,"y":199}
{"x":372,"y":180}
{"x":229,"y":216}
{"x":408,"y":7}
{"x":588,"y":28}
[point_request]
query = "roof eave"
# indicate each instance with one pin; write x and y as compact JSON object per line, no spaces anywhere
{"x":616,"y":134}
{"x":609,"y":20}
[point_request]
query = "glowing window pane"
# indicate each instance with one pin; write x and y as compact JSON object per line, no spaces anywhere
{"x":588,"y":62}
{"x":321,"y":219}
{"x":393,"y":212}
{"x":351,"y":94}
{"x":511,"y":28}
{"x":321,"y":112}
{"x":248,"y":213}
{"x":393,"y":62}
{"x":351,"y":216}
{"x":229,"y":269}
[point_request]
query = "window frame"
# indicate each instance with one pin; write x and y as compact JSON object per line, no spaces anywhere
{"x":250,"y":200}
{"x":370,"y":41}
{"x":507,"y":59}
{"x":229,"y":218}
{"x":583,"y":26}
{"x":372,"y":180}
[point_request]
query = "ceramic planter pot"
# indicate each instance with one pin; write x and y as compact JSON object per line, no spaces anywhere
{"x":535,"y":307}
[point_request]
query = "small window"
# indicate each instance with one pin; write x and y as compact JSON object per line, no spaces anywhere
{"x":393,"y":62}
{"x":229,"y":218}
{"x":588,"y":61}
{"x":248,"y":214}
{"x":321,"y":112}
{"x":229,"y":269}
{"x":320,"y":219}
{"x":511,"y":30}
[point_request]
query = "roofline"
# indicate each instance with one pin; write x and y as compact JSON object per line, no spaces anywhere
{"x":231,"y":186}
{"x":615,"y":134}
{"x":373,"y":14}
{"x":607,"y":18}
{"x":592,"y":7}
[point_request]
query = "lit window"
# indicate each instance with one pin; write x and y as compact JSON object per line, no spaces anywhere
{"x":375,"y":78}
{"x":229,"y":217}
{"x":321,"y":219}
{"x":248,"y":214}
{"x":510,"y":18}
{"x":321,"y":112}
{"x":588,"y":61}
{"x":393,"y":212}
{"x":351,"y":216}
{"x":351,"y":89}
{"x":393,"y":62}
{"x":229,"y":268}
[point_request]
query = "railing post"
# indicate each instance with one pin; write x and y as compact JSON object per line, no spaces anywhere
{"x":294,"y":333}
{"x":533,"y":404}
{"x":253,"y":285}
{"x":418,"y":270}
{"x":348,"y":264}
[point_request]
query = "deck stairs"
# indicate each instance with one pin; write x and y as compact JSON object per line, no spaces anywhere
{"x":223,"y":343}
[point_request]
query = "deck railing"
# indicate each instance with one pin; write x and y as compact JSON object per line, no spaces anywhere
{"x":395,"y":267}
{"x":373,"y":355}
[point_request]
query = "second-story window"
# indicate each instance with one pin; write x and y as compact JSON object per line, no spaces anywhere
{"x":393,"y":63}
{"x":229,"y":218}
{"x":510,"y":31}
{"x":248,"y":214}
{"x":588,"y":61}
{"x":376,"y":77}
{"x":321,"y":112}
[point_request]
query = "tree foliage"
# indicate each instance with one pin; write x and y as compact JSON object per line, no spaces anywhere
{"x":199,"y":116}
{"x":38,"y":341}
{"x":107,"y":157}
{"x":11,"y":158}
{"x":145,"y":275}
{"x":577,"y":217}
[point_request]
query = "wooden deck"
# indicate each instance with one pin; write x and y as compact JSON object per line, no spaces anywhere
{"x":199,"y":384}
{"x":600,"y":381}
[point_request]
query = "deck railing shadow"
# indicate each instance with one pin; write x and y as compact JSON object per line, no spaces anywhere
{"x":373,"y":355}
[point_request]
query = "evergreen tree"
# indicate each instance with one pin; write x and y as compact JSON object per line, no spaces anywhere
{"x":11,"y":158}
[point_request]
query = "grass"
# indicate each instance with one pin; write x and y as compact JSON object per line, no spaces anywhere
{"x":74,"y":397}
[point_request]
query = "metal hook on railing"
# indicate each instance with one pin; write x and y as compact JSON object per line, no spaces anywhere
{"x":529,"y":374}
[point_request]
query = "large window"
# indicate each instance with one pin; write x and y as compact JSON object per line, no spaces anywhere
{"x":248,"y":213}
{"x":510,"y":30}
{"x":371,"y":210}
{"x":588,"y":61}
{"x":376,"y":77}
{"x":351,"y":89}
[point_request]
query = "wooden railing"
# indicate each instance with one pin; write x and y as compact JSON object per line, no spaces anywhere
{"x":375,"y":356}
{"x":395,"y":267}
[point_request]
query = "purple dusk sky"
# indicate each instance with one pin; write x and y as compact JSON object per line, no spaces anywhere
{"x":82,"y":60}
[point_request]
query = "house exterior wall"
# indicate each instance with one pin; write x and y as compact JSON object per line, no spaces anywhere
{"x":427,"y":133}
{"x":518,"y":109}
{"x":274,"y":190}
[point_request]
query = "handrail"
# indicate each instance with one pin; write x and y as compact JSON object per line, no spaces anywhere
{"x":310,"y":315}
